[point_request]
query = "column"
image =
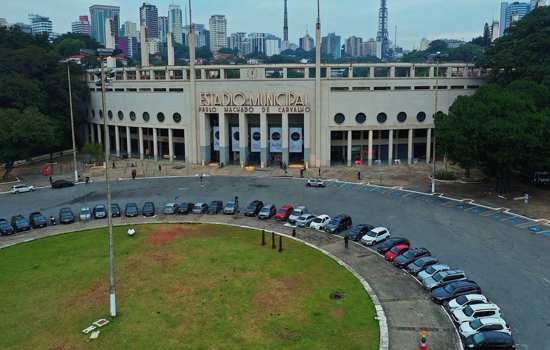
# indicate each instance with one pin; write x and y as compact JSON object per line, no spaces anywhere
{"x":243,"y":139}
{"x":410,"y":147}
{"x":390,"y":148}
{"x":429,"y":146}
{"x":141,"y":156}
{"x":155,"y":145}
{"x":349,"y":147}
{"x":92,"y":133}
{"x":370,"y":146}
{"x":264,"y":132}
{"x":204,"y":138}
{"x":306,"y":136}
{"x":413,"y":71}
{"x":117,"y":141}
{"x":371,"y":72}
{"x":392,"y":72}
{"x":171,"y":144}
{"x":224,"y":139}
{"x":285,"y":138}
{"x":128,"y":142}
{"x":99,"y":135}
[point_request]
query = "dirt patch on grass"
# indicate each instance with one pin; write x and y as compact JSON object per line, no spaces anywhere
{"x":278,"y":294}
{"x":93,"y":296}
{"x":337,"y":313}
{"x":167,"y":233}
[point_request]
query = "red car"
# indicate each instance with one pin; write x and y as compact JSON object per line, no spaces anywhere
{"x":396,"y":251}
{"x":284,"y":212}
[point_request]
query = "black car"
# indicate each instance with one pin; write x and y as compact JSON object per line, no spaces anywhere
{"x":20,"y":223}
{"x":409,"y":256}
{"x":253,"y":208}
{"x":62,"y":184}
{"x":148,"y":209}
{"x":384,"y":246}
{"x":453,"y":290}
{"x":338,"y":224}
{"x":37,"y":220}
{"x":131,"y":210}
{"x":185,"y":208}
{"x":66,"y":216}
{"x":215,"y":207}
{"x":358,"y":231}
{"x":100,"y":212}
{"x":115,"y":210}
{"x":420,"y":264}
{"x":490,"y":340}
{"x":6,"y":228}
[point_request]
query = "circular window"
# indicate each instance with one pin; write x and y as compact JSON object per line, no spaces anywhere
{"x":295,"y":136}
{"x":256,"y":136}
{"x":120,"y":115}
{"x":276,"y":136}
{"x":133,"y":116}
{"x":381,"y":117}
{"x":339,"y":118}
{"x":93,"y":113}
{"x":401,"y":117}
{"x":236,"y":135}
{"x":360,"y":118}
{"x":160,"y":117}
{"x":101,"y":114}
{"x":145,"y":116}
{"x":176,"y":117}
{"x":421,"y":116}
{"x":110,"y":114}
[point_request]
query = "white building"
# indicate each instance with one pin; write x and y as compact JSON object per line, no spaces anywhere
{"x":130,"y":30}
{"x":40,"y":24}
{"x":307,"y":43}
{"x":272,"y":46}
{"x":218,"y":32}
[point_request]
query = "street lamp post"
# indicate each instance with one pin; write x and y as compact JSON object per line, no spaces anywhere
{"x":435,"y":114}
{"x":72,"y":121}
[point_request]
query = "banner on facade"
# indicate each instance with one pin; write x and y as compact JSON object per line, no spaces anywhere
{"x":235,"y":138}
{"x":255,"y":140}
{"x":295,"y":140}
{"x":216,"y":132}
{"x":275,"y":140}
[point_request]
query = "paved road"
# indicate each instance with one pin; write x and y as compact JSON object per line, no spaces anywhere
{"x":510,"y":264}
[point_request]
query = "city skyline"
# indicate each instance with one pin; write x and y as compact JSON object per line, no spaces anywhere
{"x":462,"y":20}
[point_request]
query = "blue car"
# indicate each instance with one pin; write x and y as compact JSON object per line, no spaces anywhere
{"x":5,"y":228}
{"x":20,"y":223}
{"x":453,"y":290}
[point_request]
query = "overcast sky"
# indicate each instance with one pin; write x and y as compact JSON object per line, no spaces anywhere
{"x":415,"y":19}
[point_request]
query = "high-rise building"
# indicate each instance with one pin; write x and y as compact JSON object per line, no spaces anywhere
{"x":82,"y":26}
{"x":98,"y":15}
{"x":285,"y":27}
{"x":129,"y":29}
{"x":369,"y":48}
{"x":537,"y":3}
{"x":163,"y":28}
{"x":3,"y":22}
{"x":40,"y":24}
{"x":218,"y":32}
{"x":175,"y":23}
{"x":354,"y":46}
{"x":331,"y":45}
{"x":272,"y":45}
{"x":149,"y":17}
{"x":202,"y":35}
{"x":383,"y":36}
{"x":257,"y":42}
{"x":236,"y":41}
{"x":129,"y":45}
{"x":307,"y":43}
{"x":511,"y":12}
{"x":495,"y":31}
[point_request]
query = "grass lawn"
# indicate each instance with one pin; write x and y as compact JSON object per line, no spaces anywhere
{"x":180,"y":287}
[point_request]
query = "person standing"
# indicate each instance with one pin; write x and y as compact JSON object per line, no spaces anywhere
{"x":346,"y":241}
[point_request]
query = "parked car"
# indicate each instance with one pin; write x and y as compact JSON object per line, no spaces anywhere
{"x":267,"y":212}
{"x":6,"y":228}
{"x":62,"y":184}
{"x":22,"y":189}
{"x":66,"y":216}
{"x":170,"y":209}
{"x":468,"y":299}
{"x":185,"y":208}
{"x":231,"y":208}
{"x":389,"y":243}
{"x":115,"y":210}
{"x":131,"y":210}
{"x":20,"y":223}
{"x":454,"y":290}
{"x":200,"y":208}
{"x":358,"y":231}
{"x":100,"y":212}
{"x":319,"y":222}
{"x":443,"y":277}
{"x":305,"y":220}
{"x":431,"y":270}
{"x":296,"y":213}
{"x":338,"y":224}
{"x":420,"y":264}
{"x":85,"y":214}
{"x":490,"y":340}
{"x":284,"y":212}
{"x":37,"y":220}
{"x":409,"y":256}
{"x":396,"y":251}
{"x":215,"y":207}
{"x":315,"y":183}
{"x":253,"y":208}
{"x":376,"y":235}
{"x":483,"y":324}
{"x":148,"y":209}
{"x":471,"y":312}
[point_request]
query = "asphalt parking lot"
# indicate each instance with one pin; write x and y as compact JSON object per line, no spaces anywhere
{"x":509,"y":263}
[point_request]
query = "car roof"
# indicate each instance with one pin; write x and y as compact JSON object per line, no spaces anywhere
{"x":453,"y":272}
{"x":169,"y":204}
{"x":475,"y":296}
{"x":286,"y":206}
{"x":498,"y":337}
{"x":463,"y":283}
{"x":492,"y":320}
{"x":440,"y":267}
{"x":379,"y":229}
{"x":322,"y":216}
{"x":300,"y":207}
{"x":488,"y":306}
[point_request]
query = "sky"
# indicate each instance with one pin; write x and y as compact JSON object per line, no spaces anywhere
{"x":415,"y":19}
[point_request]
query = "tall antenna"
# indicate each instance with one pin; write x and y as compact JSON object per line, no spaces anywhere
{"x":395,"y":39}
{"x":190,"y":17}
{"x":318,"y":12}
{"x":285,"y":26}
{"x":382,"y":35}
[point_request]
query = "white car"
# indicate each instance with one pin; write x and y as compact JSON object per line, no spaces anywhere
{"x":305,"y":220}
{"x":319,"y":222}
{"x":468,"y":299}
{"x":85,"y":214}
{"x":22,"y":189}
{"x":296,"y":213}
{"x":376,"y":235}
{"x":483,"y":324}
{"x":471,"y":312}
{"x":432,"y":270}
{"x":315,"y":183}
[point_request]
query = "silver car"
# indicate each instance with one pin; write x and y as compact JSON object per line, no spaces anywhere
{"x":22,"y":188}
{"x":443,"y":277}
{"x":296,"y":213}
{"x":305,"y":220}
{"x":85,"y":214}
{"x":230,"y":208}
{"x":432,"y":270}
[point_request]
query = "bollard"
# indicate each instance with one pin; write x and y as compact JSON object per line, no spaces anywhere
{"x":293,"y":232}
{"x":273,"y":240}
{"x":358,"y":175}
{"x":280,"y":244}
{"x":263,"y":237}
{"x":346,"y":241}
{"x":526,"y":199}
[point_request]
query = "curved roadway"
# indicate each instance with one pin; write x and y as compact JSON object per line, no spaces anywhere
{"x":510,"y":264}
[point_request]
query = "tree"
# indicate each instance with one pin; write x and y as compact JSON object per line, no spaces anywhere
{"x":486,"y":35}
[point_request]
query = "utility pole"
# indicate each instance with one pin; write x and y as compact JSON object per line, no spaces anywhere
{"x":436,"y":91}
{"x":72,"y":122}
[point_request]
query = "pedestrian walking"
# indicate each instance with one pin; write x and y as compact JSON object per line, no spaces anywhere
{"x":346,"y":241}
{"x":319,"y":171}
{"x":134,"y":173}
{"x":51,"y":180}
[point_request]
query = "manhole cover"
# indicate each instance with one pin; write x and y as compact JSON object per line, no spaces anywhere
{"x":336,"y":295}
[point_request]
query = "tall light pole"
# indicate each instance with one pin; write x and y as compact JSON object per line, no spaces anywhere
{"x":72,"y":120}
{"x":436,"y":91}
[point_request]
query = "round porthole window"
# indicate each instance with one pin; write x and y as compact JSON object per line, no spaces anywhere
{"x":145,"y":117}
{"x":177,"y":117}
{"x":401,"y":117}
{"x":160,"y":117}
{"x":120,"y":115}
{"x":217,"y":135}
{"x":133,"y":116}
{"x":339,"y":118}
{"x":421,"y":116}
{"x":276,"y":136}
{"x":381,"y":117}
{"x":360,"y":118}
{"x":110,"y":114}
{"x":295,"y":136}
{"x":236,"y":135}
{"x":256,"y":136}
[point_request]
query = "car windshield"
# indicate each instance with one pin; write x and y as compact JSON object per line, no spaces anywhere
{"x":230,"y":205}
{"x":420,"y":262}
{"x":409,"y":254}
{"x":318,"y":220}
{"x":468,"y":311}
{"x":475,"y":324}
{"x":430,"y":270}
{"x":282,"y":210}
{"x":334,"y":221}
{"x":395,"y":250}
{"x":479,"y":338}
{"x":4,"y":224}
{"x":449,"y":288}
{"x":297,"y":212}
{"x":100,"y":209}
{"x":115,"y":208}
{"x":85,"y":211}
{"x":461,"y":300}
{"x":438,"y":276}
{"x":148,"y":206}
{"x":265,"y":210}
{"x":20,"y":221}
